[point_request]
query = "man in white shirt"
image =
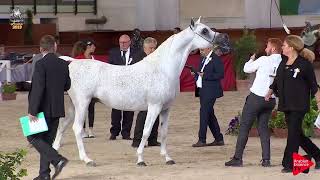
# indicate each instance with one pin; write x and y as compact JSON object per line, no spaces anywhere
{"x":256,"y":108}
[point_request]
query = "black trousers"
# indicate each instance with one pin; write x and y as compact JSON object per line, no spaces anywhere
{"x":255,"y":108}
{"x":127,"y":118}
{"x":138,"y":130}
{"x":208,"y":118}
{"x":90,"y":113}
{"x":42,"y":142}
{"x":296,"y":138}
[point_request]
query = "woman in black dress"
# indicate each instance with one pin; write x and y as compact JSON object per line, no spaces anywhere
{"x":294,"y":84}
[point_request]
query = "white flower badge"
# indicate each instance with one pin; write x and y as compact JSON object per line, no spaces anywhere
{"x":296,"y":71}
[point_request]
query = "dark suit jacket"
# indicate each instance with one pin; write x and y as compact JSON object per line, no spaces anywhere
{"x":115,"y":56}
{"x":49,"y":81}
{"x":212,"y":74}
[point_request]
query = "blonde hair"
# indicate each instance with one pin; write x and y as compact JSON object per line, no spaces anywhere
{"x":297,"y":44}
{"x":150,"y":40}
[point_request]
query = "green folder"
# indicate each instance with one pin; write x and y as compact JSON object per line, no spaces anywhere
{"x":30,"y":128}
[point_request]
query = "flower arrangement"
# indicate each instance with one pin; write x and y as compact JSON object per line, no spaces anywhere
{"x":234,"y":126}
{"x":277,"y":120}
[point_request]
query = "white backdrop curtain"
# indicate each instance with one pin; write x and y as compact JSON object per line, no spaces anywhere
{"x":157,"y":14}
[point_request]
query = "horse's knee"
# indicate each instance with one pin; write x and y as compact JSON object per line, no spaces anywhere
{"x":77,"y":129}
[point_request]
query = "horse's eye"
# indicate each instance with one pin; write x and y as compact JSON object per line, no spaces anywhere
{"x":204,"y":31}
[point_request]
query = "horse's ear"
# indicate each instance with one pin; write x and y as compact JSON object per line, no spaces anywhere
{"x":198,"y":21}
{"x":192,"y":22}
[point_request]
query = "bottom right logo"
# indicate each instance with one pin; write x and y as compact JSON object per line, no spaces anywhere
{"x":301,"y":164}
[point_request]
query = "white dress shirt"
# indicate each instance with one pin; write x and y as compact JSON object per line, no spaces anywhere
{"x":265,"y":68}
{"x":207,"y":60}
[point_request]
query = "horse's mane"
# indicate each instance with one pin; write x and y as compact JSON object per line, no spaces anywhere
{"x":162,"y":50}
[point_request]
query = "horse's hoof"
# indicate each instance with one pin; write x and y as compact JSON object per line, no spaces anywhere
{"x":171,"y":162}
{"x":91,"y":164}
{"x":141,"y":164}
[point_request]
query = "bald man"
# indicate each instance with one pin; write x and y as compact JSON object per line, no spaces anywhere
{"x":122,"y":55}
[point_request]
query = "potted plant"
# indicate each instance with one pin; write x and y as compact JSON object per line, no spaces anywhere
{"x":234,"y":126}
{"x":8,"y":91}
{"x":309,"y":119}
{"x":243,"y":48}
{"x":28,"y":39}
{"x":254,"y":129}
{"x":278,"y":125}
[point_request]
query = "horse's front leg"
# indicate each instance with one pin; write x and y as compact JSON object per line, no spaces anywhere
{"x":164,"y":118}
{"x":153,"y":112}
{"x":77,"y":128}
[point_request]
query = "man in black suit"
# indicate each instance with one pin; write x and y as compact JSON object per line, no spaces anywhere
{"x":49,"y":81}
{"x":149,"y":45}
{"x":208,"y":81}
{"x":122,"y":55}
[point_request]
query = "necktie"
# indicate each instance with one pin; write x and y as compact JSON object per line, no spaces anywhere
{"x":203,"y":59}
{"x":124,"y":56}
{"x":202,"y":62}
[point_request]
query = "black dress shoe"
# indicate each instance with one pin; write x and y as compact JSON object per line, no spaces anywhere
{"x":265,"y":163}
{"x":58,"y":168}
{"x":154,"y":143}
{"x":42,"y":178}
{"x":127,"y":138}
{"x":286,"y":170}
{"x":113,"y":137}
{"x":199,"y":144}
{"x":234,"y":162}
{"x":216,"y":143}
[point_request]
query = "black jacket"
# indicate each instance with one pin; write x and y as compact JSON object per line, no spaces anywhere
{"x":294,"y":93}
{"x":116,"y":59}
{"x":213,"y":72}
{"x":49,"y":81}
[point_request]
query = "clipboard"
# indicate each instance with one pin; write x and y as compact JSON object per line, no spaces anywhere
{"x":30,"y":128}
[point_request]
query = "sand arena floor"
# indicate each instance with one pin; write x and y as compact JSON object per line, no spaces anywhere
{"x":116,"y":159}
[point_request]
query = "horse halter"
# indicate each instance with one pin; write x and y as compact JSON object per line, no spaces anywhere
{"x":211,"y":42}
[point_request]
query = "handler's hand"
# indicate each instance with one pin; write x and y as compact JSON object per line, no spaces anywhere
{"x":200,"y":74}
{"x":33,"y":118}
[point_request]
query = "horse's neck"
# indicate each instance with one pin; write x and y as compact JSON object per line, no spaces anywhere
{"x":176,"y":52}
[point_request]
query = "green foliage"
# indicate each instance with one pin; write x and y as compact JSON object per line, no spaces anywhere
{"x":309,"y":119}
{"x":243,"y":47}
{"x":277,"y":120}
{"x":9,"y":163}
{"x":28,"y":28}
{"x":8,"y":88}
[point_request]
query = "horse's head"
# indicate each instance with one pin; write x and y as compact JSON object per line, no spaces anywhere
{"x":204,"y":36}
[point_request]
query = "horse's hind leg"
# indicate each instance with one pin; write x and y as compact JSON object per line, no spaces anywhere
{"x":63,"y":124}
{"x":164,"y":117}
{"x":80,"y":112}
{"x":153,"y":112}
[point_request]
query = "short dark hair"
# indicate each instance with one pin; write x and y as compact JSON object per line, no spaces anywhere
{"x":47,"y":43}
